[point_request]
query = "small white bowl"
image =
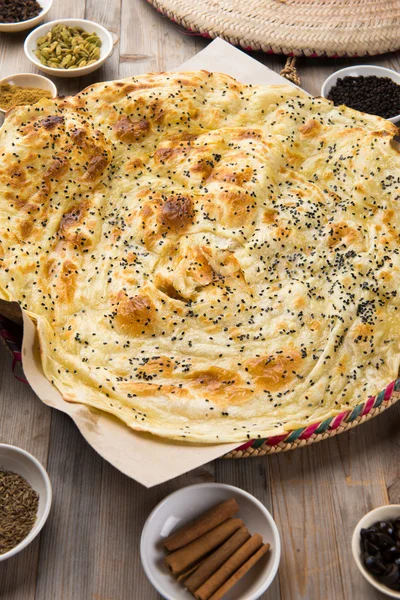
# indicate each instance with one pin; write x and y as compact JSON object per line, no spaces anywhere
{"x":30,"y":80}
{"x":190,"y":502}
{"x":22,"y":25}
{"x":383,"y":513}
{"x":357,"y":70}
{"x":21,"y":462}
{"x":107,"y":46}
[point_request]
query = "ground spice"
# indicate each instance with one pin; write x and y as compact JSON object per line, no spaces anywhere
{"x":18,"y":508}
{"x":12,"y":95}
{"x":15,"y":11}
{"x":373,"y":95}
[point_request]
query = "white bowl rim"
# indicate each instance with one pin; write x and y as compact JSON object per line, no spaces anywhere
{"x":39,"y":525}
{"x":69,"y":22}
{"x":355,"y":546}
{"x":42,"y":77}
{"x":42,"y":13}
{"x":277,"y":550}
{"x":378,"y":69}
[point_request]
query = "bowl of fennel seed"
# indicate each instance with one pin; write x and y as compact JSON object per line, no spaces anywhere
{"x":25,"y":499}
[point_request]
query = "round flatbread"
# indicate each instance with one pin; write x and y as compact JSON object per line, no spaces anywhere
{"x":205,"y":260}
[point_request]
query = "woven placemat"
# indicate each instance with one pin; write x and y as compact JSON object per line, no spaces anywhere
{"x":293,"y":27}
{"x":11,"y":335}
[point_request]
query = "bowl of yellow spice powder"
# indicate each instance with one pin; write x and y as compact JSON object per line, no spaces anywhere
{"x":24,"y":88}
{"x":25,"y":499}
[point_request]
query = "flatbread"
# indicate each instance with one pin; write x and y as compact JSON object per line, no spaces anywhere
{"x":205,"y":260}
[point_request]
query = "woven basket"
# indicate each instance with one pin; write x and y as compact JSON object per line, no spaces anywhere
{"x":293,"y":27}
{"x":12,"y":337}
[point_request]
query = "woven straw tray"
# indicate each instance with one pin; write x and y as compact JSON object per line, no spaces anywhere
{"x":293,"y":27}
{"x":11,"y":334}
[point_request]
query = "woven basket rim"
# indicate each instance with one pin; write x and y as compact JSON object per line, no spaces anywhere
{"x":316,"y":432}
{"x":293,"y":27}
{"x":290,"y":440}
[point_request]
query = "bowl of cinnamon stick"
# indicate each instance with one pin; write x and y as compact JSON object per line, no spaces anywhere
{"x":210,"y":541}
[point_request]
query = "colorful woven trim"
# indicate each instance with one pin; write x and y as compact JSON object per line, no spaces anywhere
{"x":331,"y":424}
{"x":286,"y":441}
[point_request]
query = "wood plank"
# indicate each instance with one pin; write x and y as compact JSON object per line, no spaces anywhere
{"x":108,"y":14}
{"x":320,"y":493}
{"x":150,"y":42}
{"x":25,"y":422}
{"x":68,"y":565}
{"x":67,"y":562}
{"x":65,"y":9}
{"x":125,"y":508}
{"x":254,"y":476}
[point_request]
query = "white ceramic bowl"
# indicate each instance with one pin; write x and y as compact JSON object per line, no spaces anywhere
{"x":357,"y":70}
{"x":21,"y":462}
{"x":106,"y":49}
{"x":383,"y":513}
{"x":186,"y":504}
{"x":22,"y":25}
{"x":30,"y":80}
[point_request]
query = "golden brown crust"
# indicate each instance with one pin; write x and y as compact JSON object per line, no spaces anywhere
{"x":135,"y":316}
{"x":130,"y":131}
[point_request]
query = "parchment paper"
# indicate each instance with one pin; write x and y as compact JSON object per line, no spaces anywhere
{"x":148,"y":459}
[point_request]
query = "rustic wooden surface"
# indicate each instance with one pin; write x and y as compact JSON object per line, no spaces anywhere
{"x":89,"y":549}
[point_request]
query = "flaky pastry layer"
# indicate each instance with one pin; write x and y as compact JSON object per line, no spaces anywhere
{"x":205,"y":260}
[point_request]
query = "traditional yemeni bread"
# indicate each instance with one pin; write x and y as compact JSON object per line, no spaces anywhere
{"x":204,"y":259}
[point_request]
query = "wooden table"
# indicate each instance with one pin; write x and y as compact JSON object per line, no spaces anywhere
{"x":89,"y":549}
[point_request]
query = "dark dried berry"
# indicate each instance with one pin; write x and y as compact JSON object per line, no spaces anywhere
{"x":366,"y":533}
{"x":391,"y":576}
{"x":370,"y":548}
{"x":383,"y":541}
{"x":15,"y":11}
{"x":386,"y":527}
{"x":371,"y":536}
{"x":374,"y":565}
{"x":390,"y":554}
{"x":380,"y":555}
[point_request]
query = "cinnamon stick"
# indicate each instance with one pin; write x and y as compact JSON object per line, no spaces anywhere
{"x":240,"y":573}
{"x":209,"y":587}
{"x":189,"y":571}
{"x":216,"y":559}
{"x":193,"y":530}
{"x":185,"y":557}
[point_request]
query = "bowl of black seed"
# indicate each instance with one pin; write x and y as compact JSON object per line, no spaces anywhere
{"x":25,"y":499}
{"x":368,"y":89}
{"x":376,"y":548}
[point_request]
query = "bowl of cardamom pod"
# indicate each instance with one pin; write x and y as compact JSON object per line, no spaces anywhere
{"x":25,"y":499}
{"x":69,"y":47}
